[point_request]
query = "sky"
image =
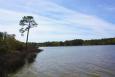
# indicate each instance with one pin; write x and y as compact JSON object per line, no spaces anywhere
{"x":60,"y":20}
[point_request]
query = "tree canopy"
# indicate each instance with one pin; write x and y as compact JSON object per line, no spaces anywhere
{"x":80,"y":42}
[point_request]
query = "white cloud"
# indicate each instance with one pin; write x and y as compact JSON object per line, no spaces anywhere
{"x":55,"y":22}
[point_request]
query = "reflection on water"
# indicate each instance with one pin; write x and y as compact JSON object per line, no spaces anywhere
{"x":80,"y":61}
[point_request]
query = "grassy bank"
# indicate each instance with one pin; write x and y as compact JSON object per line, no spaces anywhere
{"x":11,"y":62}
{"x":14,"y":54}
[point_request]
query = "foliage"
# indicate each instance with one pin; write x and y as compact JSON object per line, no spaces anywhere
{"x":79,"y":42}
{"x":9,"y":45}
{"x":27,"y":22}
{"x":13,"y":54}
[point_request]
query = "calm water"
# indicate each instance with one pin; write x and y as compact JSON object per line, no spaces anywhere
{"x":76,"y":61}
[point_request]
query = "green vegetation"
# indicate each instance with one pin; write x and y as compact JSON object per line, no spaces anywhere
{"x":13,"y":54}
{"x":80,"y":42}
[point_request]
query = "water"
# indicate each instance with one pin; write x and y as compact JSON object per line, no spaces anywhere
{"x":75,"y":61}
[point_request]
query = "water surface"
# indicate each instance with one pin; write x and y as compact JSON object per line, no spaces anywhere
{"x":75,"y":61}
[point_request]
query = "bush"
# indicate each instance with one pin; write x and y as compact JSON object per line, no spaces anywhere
{"x":3,"y":50}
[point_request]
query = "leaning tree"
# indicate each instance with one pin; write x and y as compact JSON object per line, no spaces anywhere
{"x":26,"y":23}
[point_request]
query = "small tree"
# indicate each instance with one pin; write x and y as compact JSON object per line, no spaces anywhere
{"x":27,"y":22}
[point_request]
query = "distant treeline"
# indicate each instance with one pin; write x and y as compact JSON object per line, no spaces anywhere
{"x":80,"y":42}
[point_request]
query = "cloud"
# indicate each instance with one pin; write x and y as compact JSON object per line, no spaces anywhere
{"x":55,"y":22}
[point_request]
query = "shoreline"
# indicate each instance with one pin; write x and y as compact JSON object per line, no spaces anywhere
{"x":12,"y":62}
{"x":77,"y":45}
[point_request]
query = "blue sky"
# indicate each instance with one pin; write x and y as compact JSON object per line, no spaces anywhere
{"x":60,"y":20}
